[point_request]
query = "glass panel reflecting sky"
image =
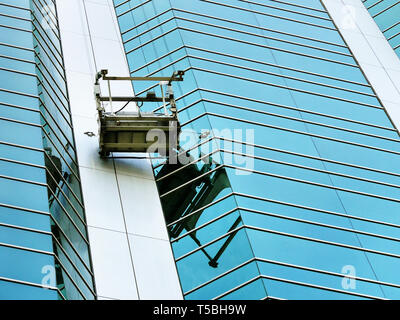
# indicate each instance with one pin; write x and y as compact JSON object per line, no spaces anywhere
{"x":291,"y":179}
{"x":387,"y":16}
{"x":42,"y":222}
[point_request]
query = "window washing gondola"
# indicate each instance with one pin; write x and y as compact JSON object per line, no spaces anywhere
{"x":123,"y":131}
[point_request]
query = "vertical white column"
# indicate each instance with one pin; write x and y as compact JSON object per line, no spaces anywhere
{"x":376,"y":57}
{"x":131,"y":253}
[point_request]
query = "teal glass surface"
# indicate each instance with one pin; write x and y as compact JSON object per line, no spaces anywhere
{"x":43,"y":234}
{"x":322,"y":193}
{"x":387,"y":16}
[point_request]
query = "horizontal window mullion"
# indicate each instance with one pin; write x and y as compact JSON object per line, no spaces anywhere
{"x":319,"y":224}
{"x":186,"y":165}
{"x":58,"y":188}
{"x":287,"y":10}
{"x":44,"y":86}
{"x":190,"y":181}
{"x":384,"y":10}
{"x":51,"y":77}
{"x":7,"y":245}
{"x":62,"y":157}
{"x":17,"y":59}
{"x":51,"y":16}
{"x":23,"y":163}
{"x":393,"y":36}
{"x":6,"y":225}
{"x":297,"y":109}
{"x":310,"y":157}
{"x":155,"y":85}
{"x":302,"y":120}
{"x":168,"y":65}
{"x":64,"y":145}
{"x":209,"y":243}
{"x":240,"y":41}
{"x":312,"y":169}
{"x":21,"y":122}
{"x":299,"y":6}
{"x":300,"y":132}
{"x":53,"y":94}
{"x":373,"y":5}
{"x":78,"y":272}
{"x":275,"y":215}
{"x":232,"y":194}
{"x":14,"y":6}
{"x":15,"y":28}
{"x":278,"y":66}
{"x":134,"y":8}
{"x":189,"y":232}
{"x":15,"y":17}
{"x":122,"y":3}
{"x":71,"y":220}
{"x":148,"y":30}
{"x":290,"y":265}
{"x":54,"y":58}
{"x":280,"y":75}
{"x":42,"y":31}
{"x":322,"y":241}
{"x":54,"y":62}
{"x":304,"y":284}
{"x":220,"y":276}
{"x":280,"y":263}
{"x":182,"y":97}
{"x":265,"y":37}
{"x":70,"y":277}
{"x":146,"y":21}
{"x":333,"y":213}
{"x":16,"y":47}
{"x":286,"y":87}
{"x":41,"y":184}
{"x":42,"y":104}
{"x":21,"y":146}
{"x":392,"y":26}
{"x":317,"y":184}
{"x":71,"y":245}
{"x":262,"y":46}
{"x":267,"y":14}
{"x":57,"y":125}
{"x":256,"y":278}
{"x":32,"y":284}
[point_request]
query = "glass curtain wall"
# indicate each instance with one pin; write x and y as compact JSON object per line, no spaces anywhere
{"x":44,"y":247}
{"x":290,"y":178}
{"x":387,"y":16}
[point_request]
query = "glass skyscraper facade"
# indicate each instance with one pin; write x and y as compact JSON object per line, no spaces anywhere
{"x":387,"y":16}
{"x":44,"y":248}
{"x":285,"y":184}
{"x":291,"y":176}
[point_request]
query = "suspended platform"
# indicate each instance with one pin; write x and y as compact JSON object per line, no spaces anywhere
{"x":151,"y":132}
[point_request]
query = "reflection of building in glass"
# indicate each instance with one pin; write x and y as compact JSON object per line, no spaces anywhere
{"x":323,"y":191}
{"x":387,"y":16}
{"x":43,"y":236}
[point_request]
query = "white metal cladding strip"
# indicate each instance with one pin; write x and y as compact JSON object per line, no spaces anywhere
{"x":117,"y":222}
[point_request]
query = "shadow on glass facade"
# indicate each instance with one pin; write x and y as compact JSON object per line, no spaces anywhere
{"x":387,"y":16}
{"x":290,"y":184}
{"x":43,"y":238}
